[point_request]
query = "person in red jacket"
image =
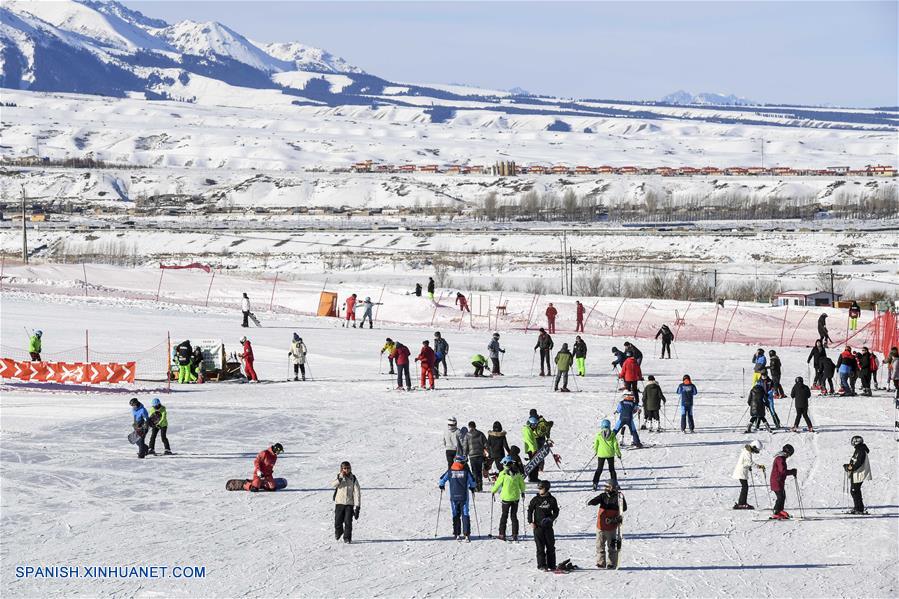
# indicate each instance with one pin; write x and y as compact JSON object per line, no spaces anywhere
{"x":551,"y":318}
{"x":462,"y":302}
{"x":779,"y":474}
{"x":264,"y":469}
{"x":350,"y":304}
{"x":247,"y":357}
{"x":630,"y":374}
{"x":400,"y":355}
{"x":427,"y":358}
{"x":579,"y":327}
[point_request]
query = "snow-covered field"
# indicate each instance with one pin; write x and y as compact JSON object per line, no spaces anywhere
{"x":73,"y":492}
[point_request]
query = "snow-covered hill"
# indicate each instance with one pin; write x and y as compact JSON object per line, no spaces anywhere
{"x":706,"y":98}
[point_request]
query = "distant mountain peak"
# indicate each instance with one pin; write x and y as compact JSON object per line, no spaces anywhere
{"x":211,"y":38}
{"x":308,"y":58}
{"x":685,"y":98}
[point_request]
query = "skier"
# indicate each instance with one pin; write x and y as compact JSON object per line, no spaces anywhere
{"x":452,"y":445}
{"x":856,"y":373}
{"x":418,"y":289}
{"x":264,"y":469}
{"x":34,"y":345}
{"x":774,"y":365}
{"x":475,"y":447}
{"x":759,"y":365}
{"x":854,"y":312}
{"x":846,"y":365}
{"x":551,"y":318}
{"x":743,"y":470}
{"x":632,"y":349}
{"x":350,"y":304}
{"x":184,"y":352}
{"x":543,"y":430}
{"x":801,"y":394}
{"x":563,"y":365}
{"x":247,"y":357}
{"x":427,"y":358}
{"x":388,"y":347}
{"x":686,"y":391}
{"x":606,"y":448}
{"x":480,"y":363}
{"x":159,"y":422}
{"x":431,"y":288}
{"x":441,"y":349}
{"x":769,"y":397}
{"x":816,"y":357}
{"x":400,"y":355}
{"x":462,"y":302}
{"x":653,"y":398}
{"x":197,"y":368}
{"x":828,"y":368}
{"x":368,"y":305}
{"x":510,"y":484}
{"x":579,"y":327}
{"x":620,"y":357}
{"x":757,"y":401}
{"x":298,"y":355}
{"x":580,"y":356}
{"x":631,"y":374}
{"x":347,"y":502}
{"x":497,"y":447}
{"x":608,"y":524}
{"x":823,"y":335}
{"x":494,"y":350}
{"x":667,"y":337}
{"x":626,"y":410}
{"x":858,"y":470}
{"x":779,"y":474}
{"x":529,"y":437}
{"x":245,"y":308}
{"x":542,"y":513}
{"x":866,"y":363}
{"x":461,"y":481}
{"x":515,"y":453}
{"x":141,"y":425}
{"x":544,"y":344}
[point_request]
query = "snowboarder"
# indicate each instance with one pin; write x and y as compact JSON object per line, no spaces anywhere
{"x":563,"y":365}
{"x":452,"y":445}
{"x":653,"y":398}
{"x":542,"y":513}
{"x":388,"y":347}
{"x":350,"y":305}
{"x":632,"y":349}
{"x":264,"y":469}
{"x":245,"y":308}
{"x":630,"y":373}
{"x":579,"y":326}
{"x":854,"y":312}
{"x":427,"y":358}
{"x":816,"y":357}
{"x":580,"y":356}
{"x":366,"y":314}
{"x":418,"y":289}
{"x":757,"y":402}
{"x":347,"y":502}
{"x":298,"y":355}
{"x":686,"y":391}
{"x":858,"y":470}
{"x":184,"y":352}
{"x":627,"y":409}
{"x":551,"y":318}
{"x":801,"y":394}
{"x":667,"y":337}
{"x":431,"y":286}
{"x":823,"y":335}
{"x":846,"y":365}
{"x":140,"y":424}
{"x":779,"y":474}
{"x":159,"y":422}
{"x":441,"y":350}
{"x":759,"y":365}
{"x":400,"y":355}
{"x":497,"y":446}
{"x":462,"y":302}
{"x":606,"y":448}
{"x":774,"y":366}
{"x":608,"y":525}
{"x":529,"y":437}
{"x":461,"y":481}
{"x":510,"y":484}
{"x":247,"y":357}
{"x":480,"y":363}
{"x":743,"y":470}
{"x":475,"y":447}
{"x":544,"y":344}
{"x":494,"y":350}
{"x":34,"y":345}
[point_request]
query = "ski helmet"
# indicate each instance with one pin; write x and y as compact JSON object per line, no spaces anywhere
{"x":133,"y":402}
{"x":799,"y":380}
{"x":609,"y":486}
{"x":543,"y":484}
{"x":508,"y":460}
{"x":38,"y":333}
{"x":605,"y":424}
{"x":156,"y":403}
{"x":788,"y":449}
{"x":451,"y":421}
{"x":389,"y":340}
{"x":277,"y":448}
{"x":496,"y":335}
{"x":532,"y":421}
{"x":243,"y":339}
{"x":756,"y":445}
{"x":857,"y":440}
{"x":368,"y":299}
{"x":437,"y":333}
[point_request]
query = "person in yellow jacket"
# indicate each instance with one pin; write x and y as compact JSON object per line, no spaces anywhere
{"x":510,"y":484}
{"x":389,"y":347}
{"x":606,"y":448}
{"x":34,"y":346}
{"x":529,"y":436}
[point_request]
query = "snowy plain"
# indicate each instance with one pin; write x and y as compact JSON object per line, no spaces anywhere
{"x":74,"y":493}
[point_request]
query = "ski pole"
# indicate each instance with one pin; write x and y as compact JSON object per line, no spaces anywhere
{"x":799,"y":498}
{"x":533,"y":355}
{"x":452,"y":366}
{"x":790,"y":411}
{"x":623,"y":467}
{"x":584,"y":467}
{"x":380,"y":364}
{"x":576,"y":387}
{"x":474,"y":505}
{"x":492,"y":503}
{"x":288,"y":367}
{"x":742,"y":417}
{"x":439,"y":505}
{"x":743,"y":382}
{"x":754,"y":491}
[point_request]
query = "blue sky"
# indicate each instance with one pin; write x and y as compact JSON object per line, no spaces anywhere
{"x":840,"y":53}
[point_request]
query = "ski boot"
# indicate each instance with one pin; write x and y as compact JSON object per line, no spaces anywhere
{"x":595,"y":486}
{"x":601,"y":564}
{"x":296,"y":378}
{"x":794,"y":430}
{"x":643,"y":427}
{"x":501,"y":537}
{"x":167,"y":452}
{"x":514,"y":538}
{"x":743,"y":506}
{"x":468,"y":538}
{"x":151,"y":452}
{"x":810,"y":429}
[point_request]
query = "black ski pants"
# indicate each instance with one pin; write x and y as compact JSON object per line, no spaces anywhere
{"x":866,"y":380}
{"x":510,"y":509}
{"x":477,"y":468}
{"x":856,"y":492}
{"x":545,"y":539}
{"x":829,"y":381}
{"x":744,"y":492}
{"x":343,"y":522}
{"x":632,"y":387}
{"x":778,"y":389}
{"x":757,"y":421}
{"x":495,"y":461}
{"x":803,"y":413}
{"x":666,"y":346}
{"x":165,"y":441}
{"x":495,"y":362}
{"x":390,"y":361}
{"x":142,"y":443}
{"x":599,"y":465}
{"x":246,"y":319}
{"x":478,"y":368}
{"x":779,"y":502}
{"x":297,"y":369}
{"x":819,"y":375}
{"x":437,"y":366}
{"x":402,"y":370}
{"x":544,"y":359}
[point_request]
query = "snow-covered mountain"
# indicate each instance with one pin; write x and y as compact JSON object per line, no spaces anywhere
{"x":308,"y":58}
{"x":214,"y":40}
{"x":684,"y":98}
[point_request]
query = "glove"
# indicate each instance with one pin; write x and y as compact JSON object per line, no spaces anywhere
{"x":502,"y":350}
{"x":440,"y":487}
{"x":259,"y":473}
{"x":356,"y":512}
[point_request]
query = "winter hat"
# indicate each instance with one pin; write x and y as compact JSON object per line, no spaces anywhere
{"x":296,"y":337}
{"x":564,"y":346}
{"x":459,"y":459}
{"x":615,"y":350}
{"x":514,"y":450}
{"x":243,"y":339}
{"x":496,"y":335}
{"x":451,"y":421}
{"x":507,"y":461}
{"x":609,"y":486}
{"x":426,"y":342}
{"x":277,"y":448}
{"x":756,"y":445}
{"x":389,"y":340}
{"x":799,"y":380}
{"x":472,"y":425}
{"x":156,"y":403}
{"x":605,"y":424}
{"x":788,"y":449}
{"x":497,"y":427}
{"x":368,"y":299}
{"x":437,"y":333}
{"x":543,"y":484}
{"x":38,"y":333}
{"x":856,"y":440}
{"x":533,"y":412}
{"x":650,"y":378}
{"x":771,"y":352}
{"x":542,"y":330}
{"x":133,"y":402}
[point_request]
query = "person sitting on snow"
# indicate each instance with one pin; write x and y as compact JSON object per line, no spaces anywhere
{"x":264,"y":469}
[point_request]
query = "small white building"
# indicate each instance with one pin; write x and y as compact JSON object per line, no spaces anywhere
{"x":806,"y":298}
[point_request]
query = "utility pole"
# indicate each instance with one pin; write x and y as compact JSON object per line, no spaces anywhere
{"x":24,"y":231}
{"x":714,"y":284}
{"x":763,"y":152}
{"x":831,"y":288}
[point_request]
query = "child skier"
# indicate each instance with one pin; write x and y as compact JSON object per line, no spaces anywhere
{"x":626,"y":410}
{"x":298,"y":355}
{"x":461,"y":481}
{"x":510,"y":484}
{"x":264,"y":470}
{"x":743,"y":470}
{"x":388,"y":347}
{"x":497,"y":447}
{"x":480,"y":363}
{"x":347,"y":502}
{"x":606,"y":448}
{"x":653,"y":398}
{"x":529,"y":436}
{"x":366,"y":314}
{"x":631,"y":374}
{"x":427,"y":358}
{"x":140,"y":424}
{"x":757,"y":401}
{"x":350,"y":305}
{"x":542,"y":513}
{"x":779,"y":474}
{"x":247,"y":357}
{"x":34,"y":346}
{"x":608,"y":525}
{"x":858,"y":470}
{"x":801,"y":394}
{"x":686,"y":391}
{"x":563,"y":365}
{"x":159,"y":421}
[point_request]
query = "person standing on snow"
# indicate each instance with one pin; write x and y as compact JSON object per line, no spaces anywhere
{"x":368,"y":305}
{"x":653,"y":398}
{"x":347,"y":502}
{"x":510,"y":484}
{"x":461,"y":481}
{"x":759,"y":365}
{"x":742,"y":472}
{"x":608,"y":523}
{"x":606,"y":448}
{"x":551,"y":318}
{"x":542,"y":513}
{"x":686,"y":391}
{"x":858,"y":470}
{"x":462,"y":302}
{"x":854,"y":312}
{"x":247,"y":357}
{"x":417,"y":290}
{"x":828,"y":368}
{"x":497,"y":446}
{"x":159,"y":421}
{"x":480,"y":363}
{"x":431,"y":286}
{"x":441,"y":350}
{"x":769,"y":396}
{"x":475,"y":448}
{"x":775,"y":366}
{"x":563,"y":365}
{"x":140,"y":424}
{"x":297,"y":353}
{"x":427,"y":358}
{"x":400,"y":355}
{"x":866,"y":367}
{"x":801,"y":394}
{"x":264,"y":470}
{"x":631,"y":374}
{"x":494,"y":350}
{"x":757,"y":401}
{"x":816,"y":357}
{"x":245,"y":308}
{"x":184,"y":352}
{"x":779,"y":474}
{"x":350,"y":305}
{"x":34,"y":345}
{"x":580,"y":356}
{"x":529,"y":437}
{"x":545,"y":345}
{"x":579,"y":307}
{"x":452,"y":444}
{"x":823,"y":335}
{"x":667,"y":337}
{"x":389,"y":345}
{"x":846,"y":365}
{"x":626,"y":410}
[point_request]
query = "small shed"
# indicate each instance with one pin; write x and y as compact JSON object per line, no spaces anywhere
{"x":806,"y":298}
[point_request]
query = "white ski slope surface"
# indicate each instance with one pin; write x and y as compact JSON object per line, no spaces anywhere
{"x":73,"y":492}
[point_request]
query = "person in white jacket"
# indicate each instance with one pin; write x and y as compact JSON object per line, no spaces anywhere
{"x":347,"y":502}
{"x":743,"y":470}
{"x":245,"y":308}
{"x":298,"y":355}
{"x":452,"y":444}
{"x":858,"y":470}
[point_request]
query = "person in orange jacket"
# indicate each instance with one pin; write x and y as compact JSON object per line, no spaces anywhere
{"x":428,"y":358}
{"x":551,"y":318}
{"x":264,"y":469}
{"x":247,"y":357}
{"x":630,"y":374}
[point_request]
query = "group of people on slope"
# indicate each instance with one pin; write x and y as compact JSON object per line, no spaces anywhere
{"x":429,"y":358}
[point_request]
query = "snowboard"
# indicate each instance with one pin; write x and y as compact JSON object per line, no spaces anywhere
{"x":134,"y":437}
{"x":255,"y":320}
{"x":236,"y":484}
{"x":538,"y":457}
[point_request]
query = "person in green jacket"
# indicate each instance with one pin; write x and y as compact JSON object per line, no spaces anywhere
{"x":529,"y":436}
{"x":480,"y":363}
{"x":606,"y":448}
{"x":563,"y":365}
{"x":159,"y":421}
{"x":34,"y":346}
{"x":510,"y":484}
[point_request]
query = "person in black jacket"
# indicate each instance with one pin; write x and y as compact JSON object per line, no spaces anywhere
{"x":864,"y":370}
{"x":757,"y":402}
{"x":497,"y":447}
{"x":441,"y":349}
{"x":816,"y":357}
{"x":544,"y":344}
{"x":801,"y":394}
{"x":630,"y":347}
{"x":774,"y":366}
{"x":828,"y":368}
{"x":823,"y":335}
{"x":608,"y":523}
{"x":542,"y":513}
{"x":431,"y":286}
{"x":184,"y":351}
{"x":667,"y":337}
{"x":858,"y":470}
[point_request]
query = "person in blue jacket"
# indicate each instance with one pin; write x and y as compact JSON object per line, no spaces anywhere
{"x":141,"y":425}
{"x":686,"y":391}
{"x":759,"y":365}
{"x":626,"y":410}
{"x":620,"y":357}
{"x":461,"y":481}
